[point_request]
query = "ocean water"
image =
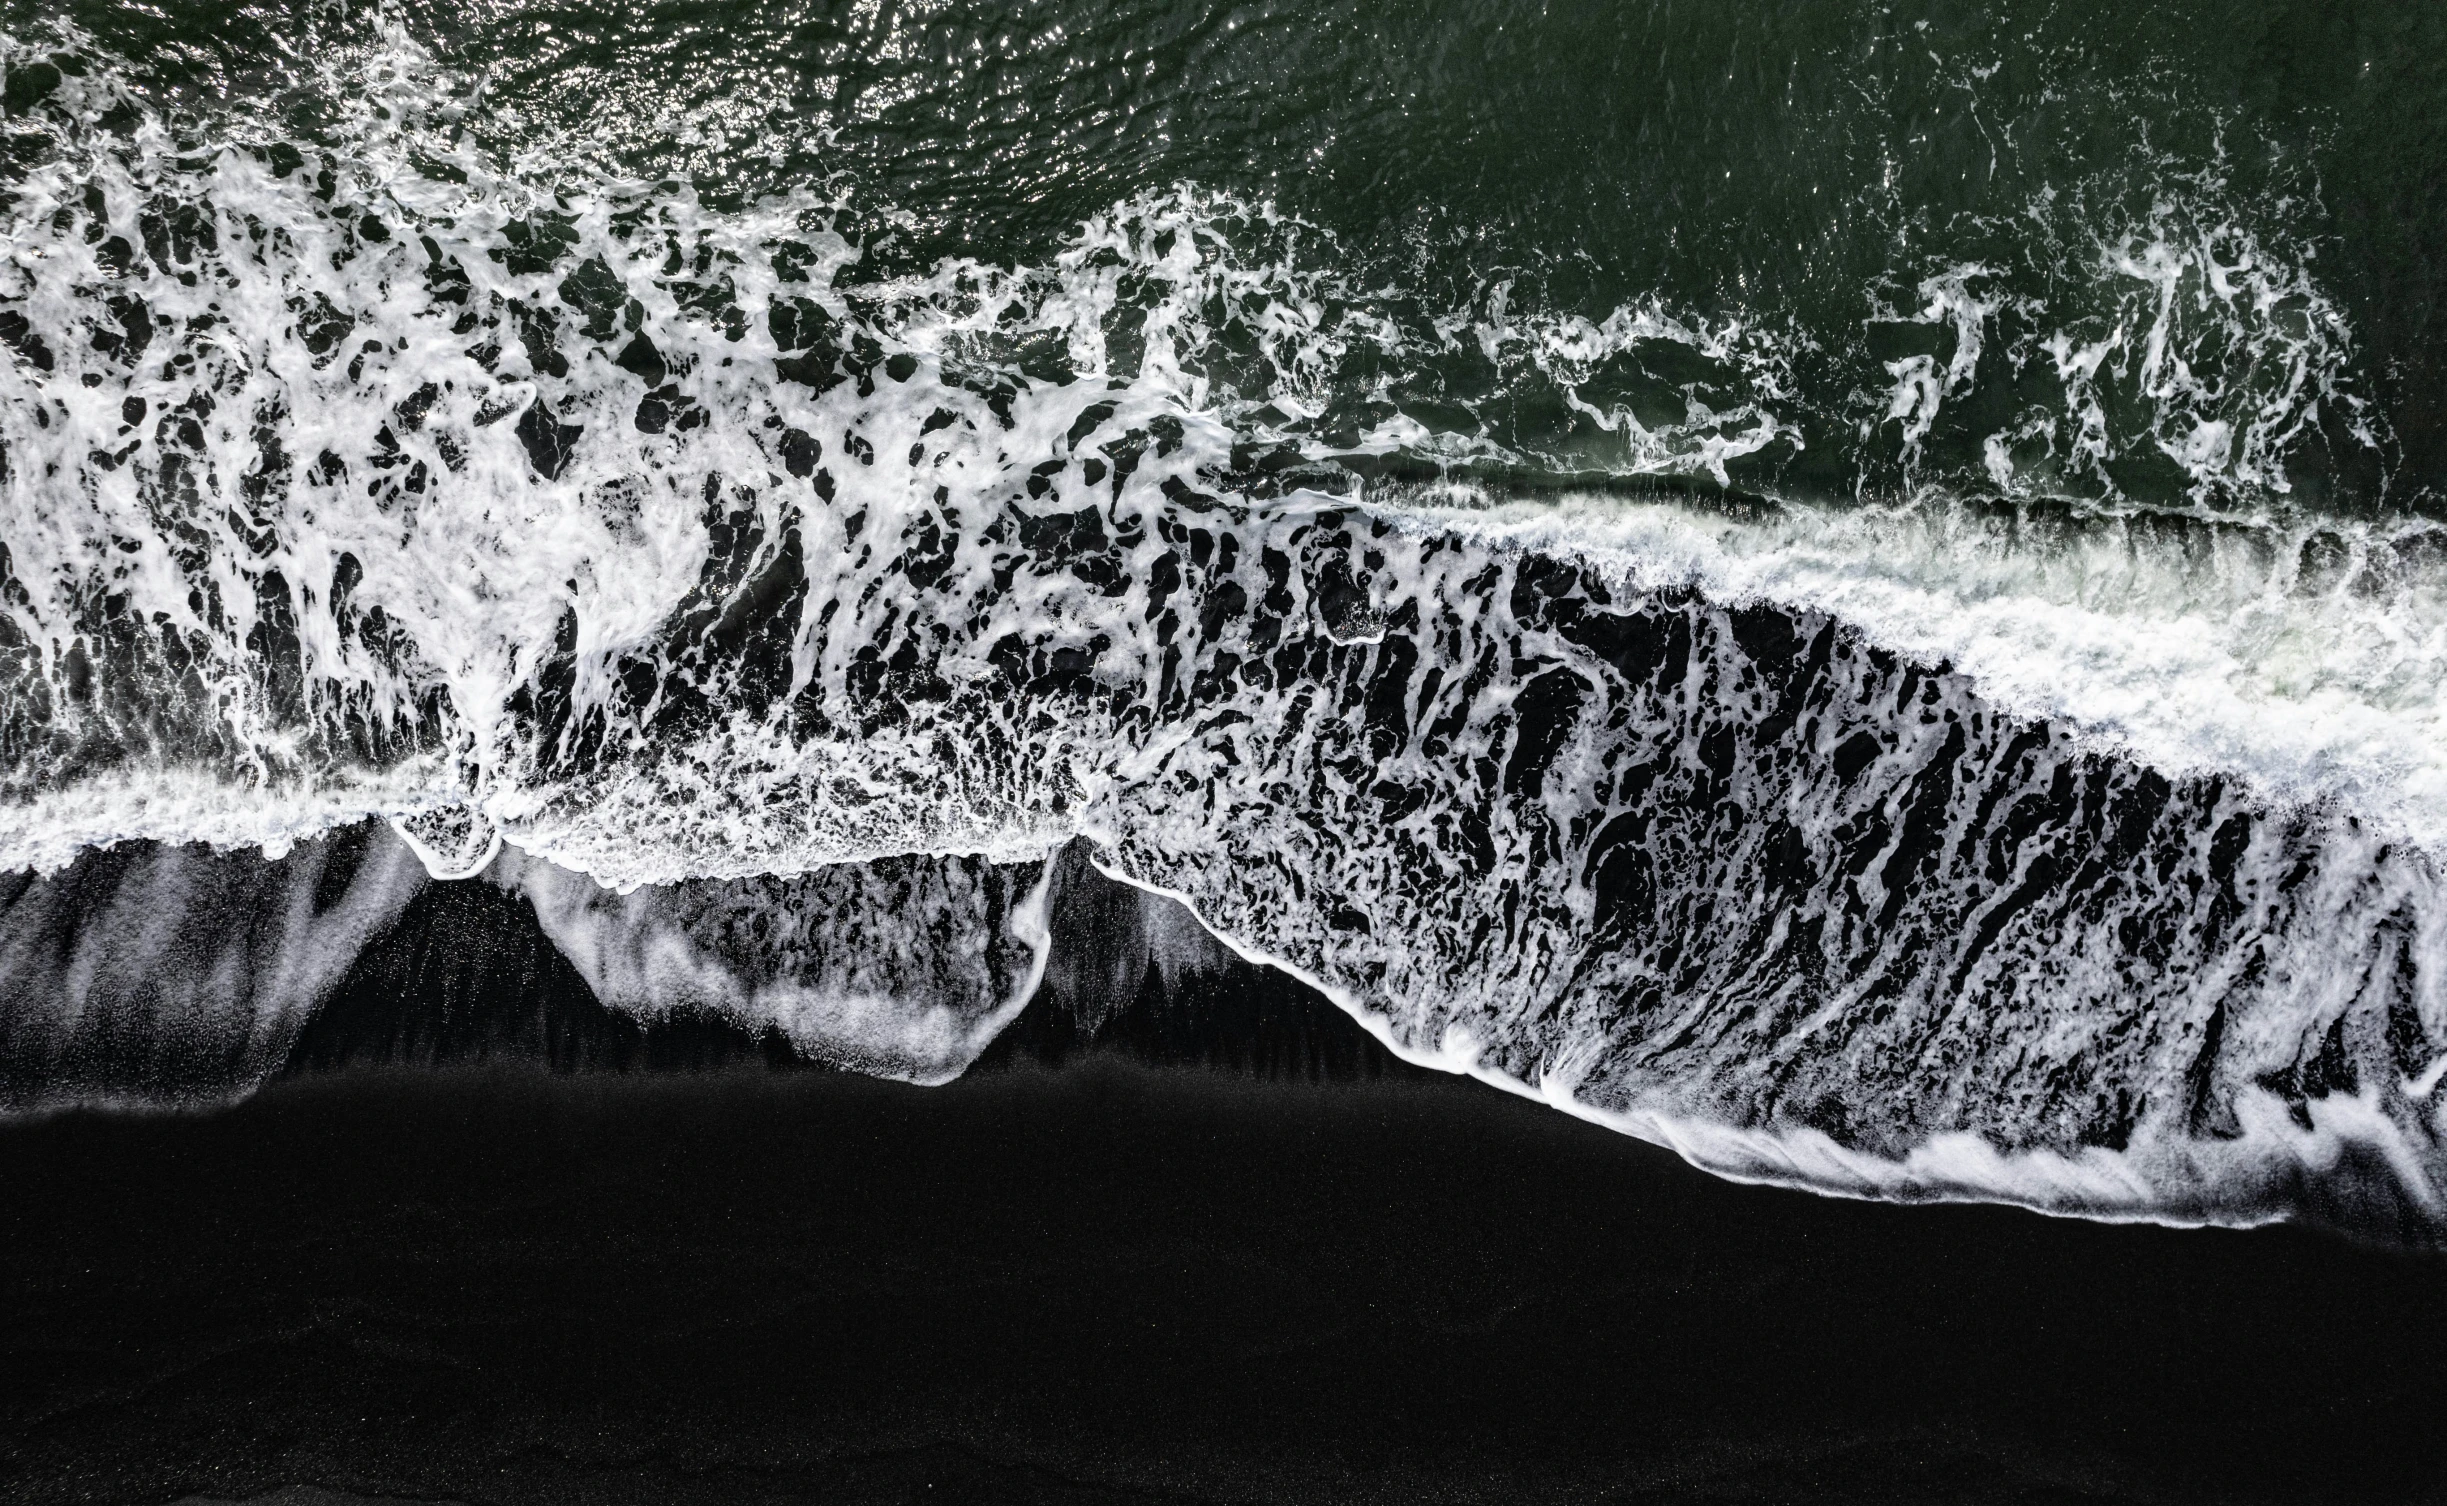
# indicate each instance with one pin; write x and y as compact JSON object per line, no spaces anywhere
{"x":1856,"y":590}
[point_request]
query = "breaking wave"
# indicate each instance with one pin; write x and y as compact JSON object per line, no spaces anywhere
{"x":2045,"y":810}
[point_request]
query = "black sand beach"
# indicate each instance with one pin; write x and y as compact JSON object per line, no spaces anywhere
{"x":1116,"y":1282}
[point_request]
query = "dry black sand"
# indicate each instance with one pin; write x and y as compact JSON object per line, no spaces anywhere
{"x":1123,"y":1283}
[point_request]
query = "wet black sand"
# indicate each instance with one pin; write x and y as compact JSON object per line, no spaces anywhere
{"x":1124,"y":1283}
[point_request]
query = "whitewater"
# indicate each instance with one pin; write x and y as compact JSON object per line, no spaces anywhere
{"x":770,"y":612}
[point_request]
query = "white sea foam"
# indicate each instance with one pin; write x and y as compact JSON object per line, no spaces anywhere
{"x":678,"y":551}
{"x":333,"y":380}
{"x":2308,"y":657}
{"x":174,"y":975}
{"x":902,"y":969}
{"x":2252,"y":1177}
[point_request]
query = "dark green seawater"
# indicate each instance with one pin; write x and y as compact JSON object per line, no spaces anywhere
{"x":1812,"y":175}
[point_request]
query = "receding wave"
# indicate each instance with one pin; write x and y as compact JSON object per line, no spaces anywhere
{"x":2008,"y":828}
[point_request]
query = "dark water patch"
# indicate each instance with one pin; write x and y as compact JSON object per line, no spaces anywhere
{"x":1132,"y":975}
{"x":163,"y":976}
{"x":466,"y":978}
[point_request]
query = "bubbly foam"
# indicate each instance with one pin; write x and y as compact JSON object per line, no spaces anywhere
{"x":321,"y":453}
{"x":2306,"y":656}
{"x":903,"y":968}
{"x":176,"y":975}
{"x":2034,"y":848}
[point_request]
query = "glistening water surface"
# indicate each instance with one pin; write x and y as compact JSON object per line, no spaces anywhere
{"x":1853,"y":588}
